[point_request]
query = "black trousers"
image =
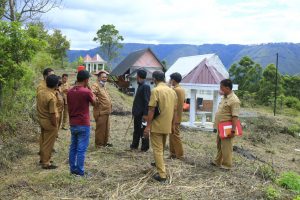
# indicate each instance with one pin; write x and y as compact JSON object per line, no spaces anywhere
{"x":138,"y":135}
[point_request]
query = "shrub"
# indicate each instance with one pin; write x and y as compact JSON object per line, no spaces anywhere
{"x":267,"y":172}
{"x":290,"y":180}
{"x":271,"y":193}
{"x":292,"y":102}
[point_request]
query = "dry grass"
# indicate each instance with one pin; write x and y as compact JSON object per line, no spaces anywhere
{"x":121,"y":174}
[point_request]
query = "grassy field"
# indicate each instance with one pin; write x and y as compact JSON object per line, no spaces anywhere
{"x":121,"y":174}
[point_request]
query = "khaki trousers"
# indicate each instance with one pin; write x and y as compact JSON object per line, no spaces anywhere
{"x":65,"y":117}
{"x":224,"y":155}
{"x":59,"y":119}
{"x":175,"y":143}
{"x":158,"y":143}
{"x":47,"y":140}
{"x":102,"y":130}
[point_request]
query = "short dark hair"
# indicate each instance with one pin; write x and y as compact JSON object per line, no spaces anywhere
{"x":142,"y":73}
{"x":47,"y":71}
{"x":83,"y":75}
{"x":52,"y":81}
{"x":158,"y":75}
{"x":227,"y":83}
{"x":65,"y":75}
{"x":176,"y":77}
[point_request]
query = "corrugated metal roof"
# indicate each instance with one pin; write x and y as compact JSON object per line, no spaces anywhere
{"x":200,"y":69}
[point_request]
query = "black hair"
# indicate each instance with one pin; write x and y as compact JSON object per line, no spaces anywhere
{"x":158,"y":75}
{"x":142,"y":73}
{"x":65,"y":75}
{"x":176,"y":77}
{"x":82,"y":75}
{"x":47,"y":71}
{"x":52,"y":81}
{"x":227,"y":83}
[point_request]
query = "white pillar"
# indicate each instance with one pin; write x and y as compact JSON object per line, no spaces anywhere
{"x":216,"y":102}
{"x":97,"y":67}
{"x":193,"y":107}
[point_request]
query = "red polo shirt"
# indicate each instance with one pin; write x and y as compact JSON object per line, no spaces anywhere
{"x":79,"y":99}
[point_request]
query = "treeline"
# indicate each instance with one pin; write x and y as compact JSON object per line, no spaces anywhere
{"x":257,"y":85}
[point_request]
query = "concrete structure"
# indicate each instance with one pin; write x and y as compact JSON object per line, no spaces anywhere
{"x":202,"y":75}
{"x":94,"y":64}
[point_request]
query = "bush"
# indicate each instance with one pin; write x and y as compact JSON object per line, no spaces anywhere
{"x":292,"y":102}
{"x":267,"y":172}
{"x":271,"y":193}
{"x":297,"y":198}
{"x":290,"y":180}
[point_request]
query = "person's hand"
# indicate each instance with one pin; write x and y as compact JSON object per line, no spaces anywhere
{"x":232,"y":134}
{"x":146,"y":132}
{"x":173,"y":128}
{"x":145,"y":118}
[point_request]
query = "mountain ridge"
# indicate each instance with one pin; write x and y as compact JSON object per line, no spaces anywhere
{"x":264,"y":54}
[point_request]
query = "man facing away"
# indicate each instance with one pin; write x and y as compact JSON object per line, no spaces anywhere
{"x":140,"y":111}
{"x":102,"y":110}
{"x":228,"y":110}
{"x":65,"y":86}
{"x":176,"y":149}
{"x":48,"y":119}
{"x":42,"y":85}
{"x":79,"y":98}
{"x":165,"y":99}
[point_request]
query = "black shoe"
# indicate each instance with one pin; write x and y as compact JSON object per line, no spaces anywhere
{"x":158,"y":178}
{"x":49,"y":167}
{"x":109,"y":145}
{"x":40,"y":163}
{"x":153,"y":164}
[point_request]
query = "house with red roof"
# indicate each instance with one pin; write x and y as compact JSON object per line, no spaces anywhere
{"x":93,"y":64}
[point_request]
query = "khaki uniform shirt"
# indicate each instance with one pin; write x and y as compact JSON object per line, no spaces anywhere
{"x":103,"y":105}
{"x":60,"y":100}
{"x":42,"y":85}
{"x":166,"y":99}
{"x":65,"y":86}
{"x":180,"y":101}
{"x":228,"y":108}
{"x":46,"y":103}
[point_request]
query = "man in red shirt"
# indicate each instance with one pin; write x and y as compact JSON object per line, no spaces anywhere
{"x":79,"y":99}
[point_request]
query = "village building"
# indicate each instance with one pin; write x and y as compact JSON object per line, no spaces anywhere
{"x":125,"y":72}
{"x":202,"y":75}
{"x":93,"y":64}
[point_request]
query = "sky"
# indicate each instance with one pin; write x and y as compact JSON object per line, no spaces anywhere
{"x":179,"y":21}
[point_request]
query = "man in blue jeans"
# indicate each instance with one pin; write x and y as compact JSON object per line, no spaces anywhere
{"x":79,"y":98}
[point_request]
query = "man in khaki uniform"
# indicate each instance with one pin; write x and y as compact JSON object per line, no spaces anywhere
{"x":176,"y":149}
{"x":65,"y":86}
{"x":165,"y":99}
{"x":42,"y":85}
{"x":60,"y":103}
{"x":47,"y":113}
{"x":102,"y":110}
{"x":228,"y":110}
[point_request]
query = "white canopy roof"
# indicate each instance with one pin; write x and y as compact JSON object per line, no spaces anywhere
{"x":184,"y":65}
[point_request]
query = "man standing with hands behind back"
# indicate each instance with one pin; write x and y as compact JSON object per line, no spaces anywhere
{"x":165,"y":100}
{"x":228,"y":110}
{"x":102,"y":110}
{"x":140,"y":111}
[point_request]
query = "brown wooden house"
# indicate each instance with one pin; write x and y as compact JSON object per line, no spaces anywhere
{"x":125,"y":72}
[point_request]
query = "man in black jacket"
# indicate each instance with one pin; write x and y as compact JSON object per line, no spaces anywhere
{"x":140,"y":111}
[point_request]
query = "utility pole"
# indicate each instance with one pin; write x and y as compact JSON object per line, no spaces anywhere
{"x":276,"y":82}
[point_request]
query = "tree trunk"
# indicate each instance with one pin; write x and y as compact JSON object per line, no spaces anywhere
{"x":12,"y":10}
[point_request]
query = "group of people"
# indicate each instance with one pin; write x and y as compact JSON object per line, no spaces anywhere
{"x":157,"y":114}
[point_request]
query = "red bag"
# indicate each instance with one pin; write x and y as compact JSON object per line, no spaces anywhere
{"x":226,"y":127}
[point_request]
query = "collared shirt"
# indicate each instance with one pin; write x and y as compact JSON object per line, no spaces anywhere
{"x":228,"y":108}
{"x":60,"y":100}
{"x":79,"y":99}
{"x":180,"y":101}
{"x":42,"y":85}
{"x":141,"y":100}
{"x":166,"y":99}
{"x":103,"y":104}
{"x":64,"y":87}
{"x":46,"y":103}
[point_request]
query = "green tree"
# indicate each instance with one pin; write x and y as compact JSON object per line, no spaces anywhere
{"x":246,"y":74}
{"x":164,"y":64}
{"x":16,"y":47}
{"x":267,"y":85}
{"x":109,"y":39}
{"x":291,"y":85}
{"x":58,"y":46}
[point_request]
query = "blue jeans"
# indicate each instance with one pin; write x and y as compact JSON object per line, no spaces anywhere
{"x":80,"y":137}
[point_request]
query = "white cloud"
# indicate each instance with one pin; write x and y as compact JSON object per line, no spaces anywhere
{"x":177,"y":21}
